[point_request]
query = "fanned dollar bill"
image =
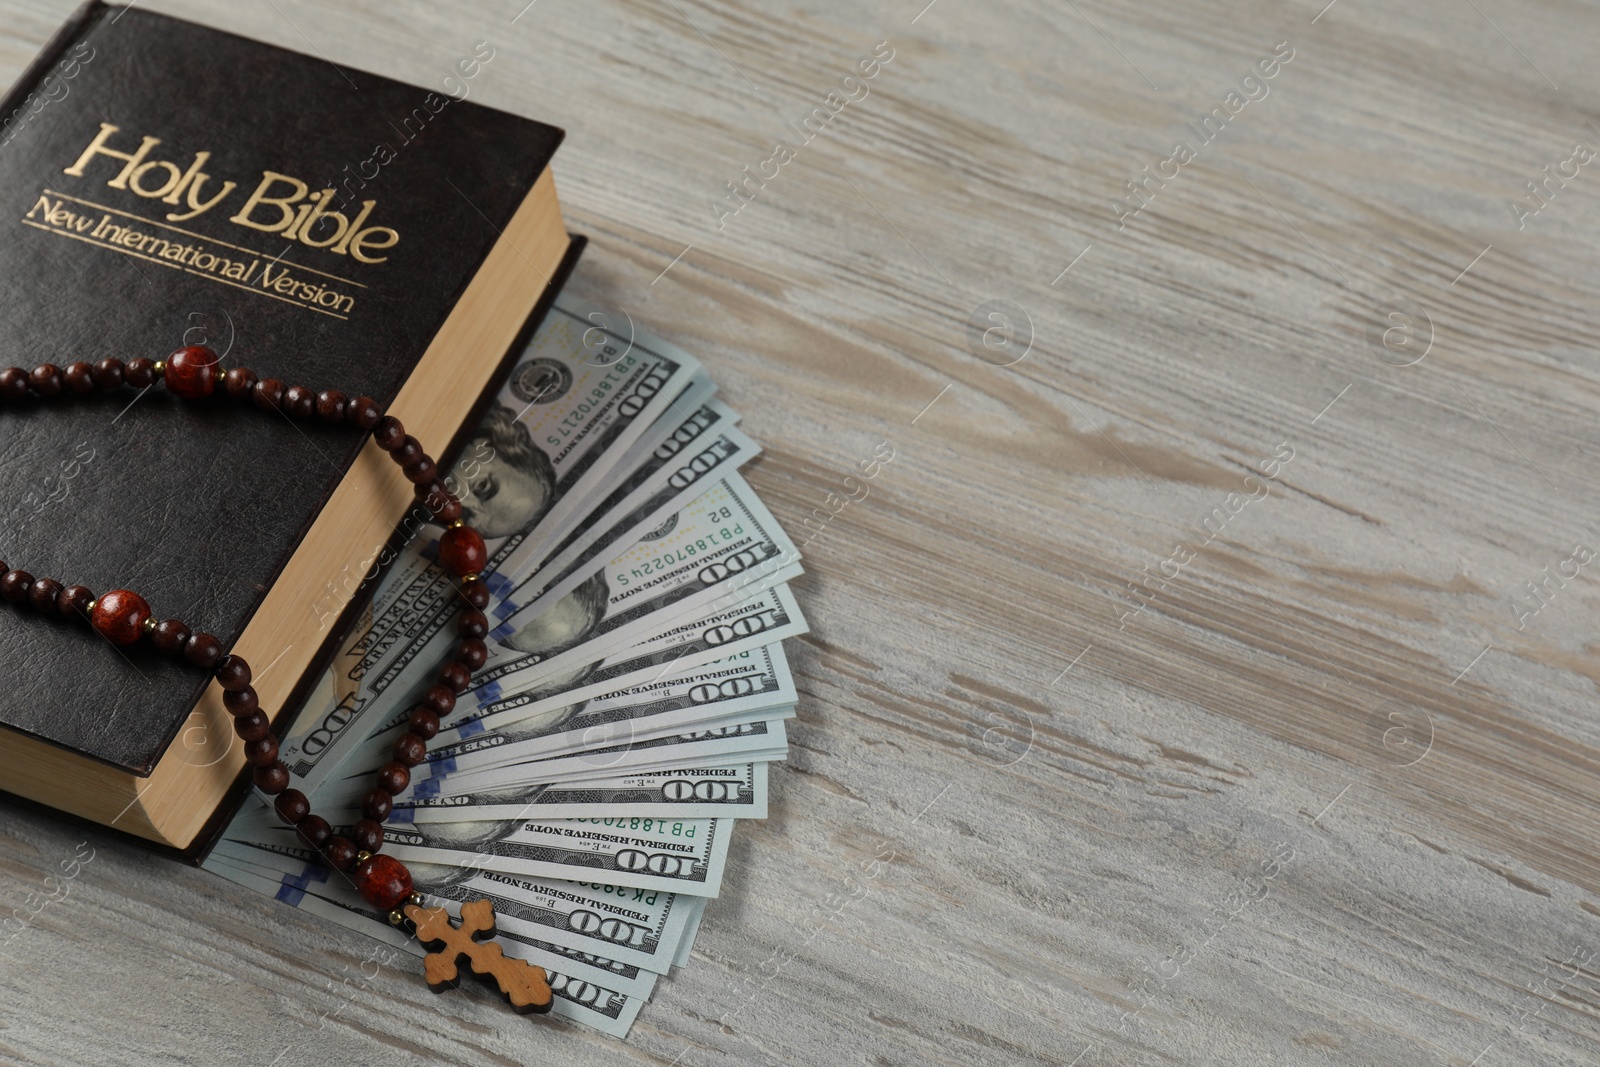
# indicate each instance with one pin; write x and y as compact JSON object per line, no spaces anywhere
{"x":588,"y":781}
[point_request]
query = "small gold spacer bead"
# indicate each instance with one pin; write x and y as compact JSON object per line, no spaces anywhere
{"x":415,"y":898}
{"x":150,"y":625}
{"x":396,"y":917}
{"x":458,"y":524}
{"x":469,"y":577}
{"x":363,"y":856}
{"x":88,"y":609}
{"x":160,"y":368}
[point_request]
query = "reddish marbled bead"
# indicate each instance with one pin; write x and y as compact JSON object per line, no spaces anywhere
{"x":253,"y":726}
{"x":377,"y":805}
{"x":139,"y":372}
{"x":46,"y":379}
{"x":119,"y":616}
{"x":271,"y":779}
{"x":340,"y":852}
{"x":292,"y":806}
{"x":15,"y":586}
{"x":472,"y":652}
{"x":73,"y":601}
{"x":239,"y":382}
{"x":13,"y":383}
{"x":107,"y":373}
{"x":78,"y":378}
{"x":367,"y":834}
{"x":383,"y":882}
{"x":169,"y":636}
{"x":362,"y":412}
{"x":393,"y":778}
{"x":462,"y":551}
{"x":42,"y":594}
{"x":424,"y":722}
{"x":475,"y":592}
{"x":314,"y":831}
{"x":191,"y":372}
{"x":409,"y":750}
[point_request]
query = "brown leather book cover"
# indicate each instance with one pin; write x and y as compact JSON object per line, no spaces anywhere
{"x":163,"y":184}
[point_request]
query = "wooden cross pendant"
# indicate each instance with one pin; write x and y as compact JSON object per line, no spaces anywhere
{"x":523,"y":984}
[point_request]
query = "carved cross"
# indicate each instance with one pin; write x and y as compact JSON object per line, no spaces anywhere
{"x":523,"y":984}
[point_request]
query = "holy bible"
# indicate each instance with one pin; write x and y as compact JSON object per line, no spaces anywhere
{"x":164,"y":184}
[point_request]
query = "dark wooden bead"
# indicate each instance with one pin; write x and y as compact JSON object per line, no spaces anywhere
{"x":261,"y":752}
{"x":389,"y":433}
{"x":191,"y":372}
{"x":422,"y":471}
{"x":448,"y":511}
{"x":107,"y":373}
{"x":42,"y":594}
{"x":394,"y":777}
{"x":46,"y":379}
{"x":252,"y":727}
{"x":367,"y":834}
{"x":377,"y":805}
{"x":314,"y":831}
{"x":268,"y":394}
{"x":409,"y":750}
{"x":203,"y":650}
{"x":292,"y":806}
{"x":15,"y":586}
{"x":472,"y":652}
{"x":271,"y":779}
{"x":13,"y":383}
{"x":140,"y":372}
{"x":456,"y":676}
{"x":73,"y":602}
{"x":424,"y":722}
{"x":239,"y":382}
{"x":119,"y":616}
{"x":441,"y":698}
{"x":362,"y":412}
{"x":462,"y":551}
{"x":330,"y":405}
{"x":472,"y":623}
{"x":78,"y":378}
{"x":407,"y":452}
{"x":383,"y":881}
{"x":233,"y":673}
{"x":299,"y":402}
{"x":170,"y":635}
{"x":241,"y":701}
{"x":340,"y":852}
{"x":475,"y":593}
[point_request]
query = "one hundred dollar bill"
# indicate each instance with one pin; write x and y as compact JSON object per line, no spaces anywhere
{"x":737,"y":792}
{"x":718,"y":551}
{"x":581,"y":991}
{"x":632,"y":927}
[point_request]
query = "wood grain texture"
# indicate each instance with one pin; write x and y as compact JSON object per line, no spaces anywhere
{"x":1328,"y":798}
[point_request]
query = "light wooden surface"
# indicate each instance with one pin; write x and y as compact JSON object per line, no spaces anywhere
{"x":1322,"y":801}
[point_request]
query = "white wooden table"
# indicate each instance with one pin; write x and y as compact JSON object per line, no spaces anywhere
{"x":1175,"y":761}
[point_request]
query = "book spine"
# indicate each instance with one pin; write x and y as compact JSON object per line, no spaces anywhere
{"x":11,"y":103}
